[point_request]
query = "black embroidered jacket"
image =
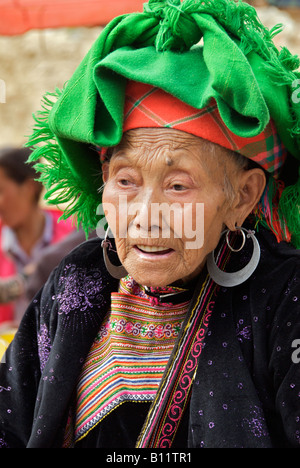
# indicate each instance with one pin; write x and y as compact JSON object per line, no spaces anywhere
{"x":246,"y":392}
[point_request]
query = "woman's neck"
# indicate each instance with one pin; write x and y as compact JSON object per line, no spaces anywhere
{"x":29,"y":232}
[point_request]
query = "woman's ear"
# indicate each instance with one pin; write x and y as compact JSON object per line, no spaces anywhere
{"x":250,"y":188}
{"x":105,"y":171}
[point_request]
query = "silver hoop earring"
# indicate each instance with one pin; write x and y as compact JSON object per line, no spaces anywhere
{"x":243,"y":241}
{"x":115,"y":271}
{"x":230,"y":280}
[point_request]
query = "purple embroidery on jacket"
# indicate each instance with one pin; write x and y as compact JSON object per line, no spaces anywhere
{"x":44,"y":345}
{"x":244,"y":333}
{"x":80,"y":289}
{"x":2,"y":389}
{"x":3,"y":444}
{"x":256,"y":422}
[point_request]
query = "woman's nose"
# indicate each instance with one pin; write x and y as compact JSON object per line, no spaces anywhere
{"x":146,"y":219}
{"x":146,"y":216}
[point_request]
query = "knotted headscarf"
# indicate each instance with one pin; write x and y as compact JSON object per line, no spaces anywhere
{"x":148,"y":106}
{"x":237,"y":67}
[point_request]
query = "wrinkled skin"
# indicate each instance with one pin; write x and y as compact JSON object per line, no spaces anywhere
{"x":167,"y":166}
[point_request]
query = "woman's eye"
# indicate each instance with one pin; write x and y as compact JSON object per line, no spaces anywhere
{"x":125,"y":182}
{"x":178,"y":187}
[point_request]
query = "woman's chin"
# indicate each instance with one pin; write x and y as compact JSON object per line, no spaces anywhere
{"x":152,"y":279}
{"x":158,"y":270}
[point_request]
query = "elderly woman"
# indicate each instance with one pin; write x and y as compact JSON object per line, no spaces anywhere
{"x":180,"y":328}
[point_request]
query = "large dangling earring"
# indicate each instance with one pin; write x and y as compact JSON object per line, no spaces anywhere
{"x":115,"y":271}
{"x":238,"y":277}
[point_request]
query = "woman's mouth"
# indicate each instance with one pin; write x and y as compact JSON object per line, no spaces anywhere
{"x":154,"y":250}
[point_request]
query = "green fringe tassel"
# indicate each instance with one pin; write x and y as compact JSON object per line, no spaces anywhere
{"x":61,"y":185}
{"x":238,"y":17}
{"x":279,"y":211}
{"x":289,"y":206}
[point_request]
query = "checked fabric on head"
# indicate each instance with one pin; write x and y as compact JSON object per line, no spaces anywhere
{"x":148,"y":106}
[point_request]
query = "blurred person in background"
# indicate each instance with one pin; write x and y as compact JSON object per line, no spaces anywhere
{"x":26,"y":228}
{"x":35,"y":274}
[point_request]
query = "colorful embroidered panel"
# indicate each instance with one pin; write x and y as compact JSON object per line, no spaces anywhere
{"x":128,"y":357}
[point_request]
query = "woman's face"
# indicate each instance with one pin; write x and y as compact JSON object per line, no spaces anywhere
{"x":15,"y":200}
{"x":166,"y":204}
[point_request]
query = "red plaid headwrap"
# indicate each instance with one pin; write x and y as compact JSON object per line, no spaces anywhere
{"x":148,"y":106}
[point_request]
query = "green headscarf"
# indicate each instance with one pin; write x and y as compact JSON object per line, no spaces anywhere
{"x":238,"y":65}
